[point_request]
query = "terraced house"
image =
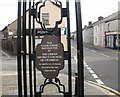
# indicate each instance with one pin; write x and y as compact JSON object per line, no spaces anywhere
{"x":104,"y":33}
{"x":47,"y":17}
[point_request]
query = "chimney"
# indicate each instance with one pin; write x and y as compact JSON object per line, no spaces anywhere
{"x":89,"y":23}
{"x":100,"y":18}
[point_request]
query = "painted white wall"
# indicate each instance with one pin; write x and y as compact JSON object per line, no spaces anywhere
{"x":96,"y":38}
{"x":112,"y":26}
{"x":101,"y":34}
{"x":88,"y":35}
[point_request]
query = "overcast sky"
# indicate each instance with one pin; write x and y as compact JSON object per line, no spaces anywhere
{"x":91,"y":9}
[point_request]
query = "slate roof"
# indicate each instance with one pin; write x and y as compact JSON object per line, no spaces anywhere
{"x":111,"y":17}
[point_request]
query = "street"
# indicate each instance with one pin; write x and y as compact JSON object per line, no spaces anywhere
{"x":101,"y":66}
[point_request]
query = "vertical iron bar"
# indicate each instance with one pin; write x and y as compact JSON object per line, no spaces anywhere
{"x":19,"y":50}
{"x":24,"y":49}
{"x":33,"y":34}
{"x":69,"y":49}
{"x":30,"y":63}
{"x":79,"y":49}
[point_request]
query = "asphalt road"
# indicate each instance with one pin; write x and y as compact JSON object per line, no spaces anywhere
{"x":101,"y":66}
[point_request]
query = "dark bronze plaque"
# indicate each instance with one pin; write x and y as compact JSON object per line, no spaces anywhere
{"x":50,"y":56}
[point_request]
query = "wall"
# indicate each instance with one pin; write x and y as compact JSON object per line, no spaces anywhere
{"x":101,"y":34}
{"x":12,"y":28}
{"x":88,"y":35}
{"x":54,"y":14}
{"x":111,"y":26}
{"x":96,"y":38}
{"x":54,"y":11}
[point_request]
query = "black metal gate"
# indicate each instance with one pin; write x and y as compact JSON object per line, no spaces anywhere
{"x":27,"y":55}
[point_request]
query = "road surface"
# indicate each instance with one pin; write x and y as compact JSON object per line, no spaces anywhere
{"x":101,"y":66}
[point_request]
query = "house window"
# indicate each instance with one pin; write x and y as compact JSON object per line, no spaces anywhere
{"x":45,"y":18}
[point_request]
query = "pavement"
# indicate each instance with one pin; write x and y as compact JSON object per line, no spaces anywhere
{"x":102,"y":48}
{"x":9,"y":83}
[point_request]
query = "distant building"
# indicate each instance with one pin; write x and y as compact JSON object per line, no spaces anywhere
{"x":99,"y":33}
{"x":88,"y":34}
{"x":95,"y":35}
{"x":4,"y":33}
{"x":73,"y":35}
{"x":105,"y":32}
{"x":112,"y":31}
{"x":47,"y":17}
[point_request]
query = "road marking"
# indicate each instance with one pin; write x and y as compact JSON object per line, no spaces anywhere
{"x":74,"y":48}
{"x":93,"y":51}
{"x":86,"y":65}
{"x":85,"y":62}
{"x":8,"y":58}
{"x":108,"y":56}
{"x":99,"y":81}
{"x":75,"y":57}
{"x":115,"y":58}
{"x":91,"y":71}
{"x":97,"y":87}
{"x":104,"y":55}
{"x":94,"y":75}
{"x":5,"y":54}
{"x":110,"y":90}
{"x":88,"y":68}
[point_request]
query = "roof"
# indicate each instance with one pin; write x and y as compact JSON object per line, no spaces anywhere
{"x":111,"y":17}
{"x":114,"y":16}
{"x":28,"y":10}
{"x":4,"y":28}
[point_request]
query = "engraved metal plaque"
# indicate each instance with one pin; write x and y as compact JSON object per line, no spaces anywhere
{"x":50,"y":56}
